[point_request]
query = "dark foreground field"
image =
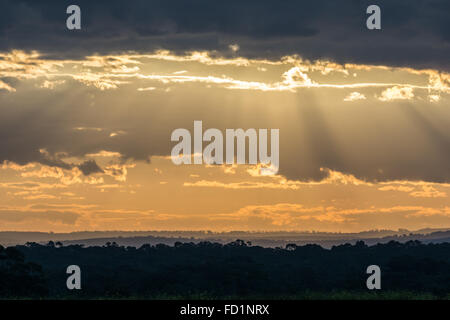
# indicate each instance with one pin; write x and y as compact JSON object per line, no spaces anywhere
{"x":232,"y":271}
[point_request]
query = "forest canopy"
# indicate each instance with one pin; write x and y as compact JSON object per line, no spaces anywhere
{"x":236,"y":269}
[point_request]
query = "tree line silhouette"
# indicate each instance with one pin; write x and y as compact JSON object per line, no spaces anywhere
{"x":236,"y":269}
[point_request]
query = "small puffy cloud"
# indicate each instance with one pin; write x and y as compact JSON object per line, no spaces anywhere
{"x":47,"y":84}
{"x":118,"y":133}
{"x":295,"y":76}
{"x":147,"y":89}
{"x":104,"y":154}
{"x":396,"y":188}
{"x":434,"y":97}
{"x":234,"y":47}
{"x":397,"y":93}
{"x":355,"y":96}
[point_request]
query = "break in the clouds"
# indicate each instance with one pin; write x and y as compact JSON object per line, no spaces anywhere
{"x":413,"y":33}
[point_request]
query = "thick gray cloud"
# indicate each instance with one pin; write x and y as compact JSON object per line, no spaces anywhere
{"x":413,"y":32}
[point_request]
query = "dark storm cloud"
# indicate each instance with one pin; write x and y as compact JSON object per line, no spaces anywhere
{"x":414,"y":33}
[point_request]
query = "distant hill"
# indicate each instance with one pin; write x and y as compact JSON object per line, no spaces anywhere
{"x":264,"y":239}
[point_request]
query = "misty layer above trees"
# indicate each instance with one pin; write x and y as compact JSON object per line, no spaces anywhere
{"x":261,"y":238}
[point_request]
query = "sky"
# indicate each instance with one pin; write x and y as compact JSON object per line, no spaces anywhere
{"x":87,"y":115}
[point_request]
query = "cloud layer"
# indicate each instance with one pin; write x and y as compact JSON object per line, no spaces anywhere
{"x":59,"y":110}
{"x":334,"y":30}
